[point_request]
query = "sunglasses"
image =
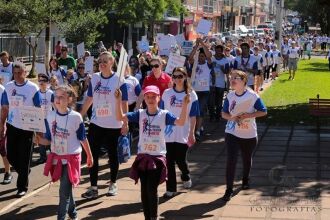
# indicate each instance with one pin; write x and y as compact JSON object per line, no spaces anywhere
{"x":154,"y":66}
{"x":81,"y":67}
{"x":42,"y":81}
{"x":177,"y":76}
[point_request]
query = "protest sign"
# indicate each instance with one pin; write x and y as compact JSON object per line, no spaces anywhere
{"x":180,"y":39}
{"x":143,"y":46}
{"x":81,"y":50}
{"x":32,"y":118}
{"x":122,"y":65}
{"x":89,"y":64}
{"x":187,"y":47}
{"x":174,"y":60}
{"x":204,"y":27}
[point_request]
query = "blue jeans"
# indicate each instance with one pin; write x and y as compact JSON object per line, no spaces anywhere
{"x":67,"y":204}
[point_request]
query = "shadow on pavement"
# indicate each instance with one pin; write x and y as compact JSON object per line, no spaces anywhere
{"x":31,"y":214}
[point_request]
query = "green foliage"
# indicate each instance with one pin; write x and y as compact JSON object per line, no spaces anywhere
{"x":29,"y":16}
{"x":287,"y":100}
{"x":81,"y":26}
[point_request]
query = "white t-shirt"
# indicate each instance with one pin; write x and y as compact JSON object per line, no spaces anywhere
{"x":293,"y":52}
{"x":102,"y":91}
{"x":173,"y":101}
{"x":248,"y":102}
{"x":6,"y":72}
{"x":269,"y":58}
{"x":259,"y":59}
{"x":19,"y":95}
{"x":219,"y":75}
{"x":264,"y":59}
{"x":60,"y":74}
{"x":2,"y":93}
{"x":47,"y":98}
{"x":244,"y":63}
{"x":277,"y":56}
{"x":133,"y":89}
{"x":202,"y":77}
{"x":65,"y":131}
{"x":152,"y":130}
{"x":285,"y":49}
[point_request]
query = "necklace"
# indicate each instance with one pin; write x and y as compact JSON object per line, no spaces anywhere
{"x":150,"y":121}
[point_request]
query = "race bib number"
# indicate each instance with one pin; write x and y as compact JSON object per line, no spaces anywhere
{"x":16,"y":101}
{"x":103,"y":110}
{"x":151,"y":145}
{"x":60,"y":145}
{"x":244,"y":124}
{"x":202,"y":83}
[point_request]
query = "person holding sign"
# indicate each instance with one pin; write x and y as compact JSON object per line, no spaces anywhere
{"x":66,"y":132}
{"x":150,"y":163}
{"x":6,"y":68}
{"x":104,"y":128}
{"x":201,"y":79}
{"x":179,"y":139}
{"x":18,"y":93}
{"x":66,"y":61}
{"x":240,"y":109}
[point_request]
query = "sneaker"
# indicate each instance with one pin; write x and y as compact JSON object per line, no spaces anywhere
{"x":245,"y":184}
{"x":90,"y":193}
{"x":20,"y":193}
{"x":7,"y":178}
{"x":261,"y":89}
{"x":187,"y":184}
{"x":228,"y":194}
{"x":113,"y":190}
{"x":168,"y":194}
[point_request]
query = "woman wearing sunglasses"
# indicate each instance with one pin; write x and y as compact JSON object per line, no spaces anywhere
{"x":178,"y":139}
{"x":240,"y":109}
{"x":156,"y":78}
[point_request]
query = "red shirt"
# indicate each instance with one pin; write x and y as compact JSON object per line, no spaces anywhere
{"x":162,"y":82}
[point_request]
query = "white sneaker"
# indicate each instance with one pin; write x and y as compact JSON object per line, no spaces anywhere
{"x":187,"y":184}
{"x":113,"y":189}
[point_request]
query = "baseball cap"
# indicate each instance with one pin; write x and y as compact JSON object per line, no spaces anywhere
{"x":151,"y":89}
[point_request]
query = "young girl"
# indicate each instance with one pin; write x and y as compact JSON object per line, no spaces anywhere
{"x":240,"y":109}
{"x":66,"y":131}
{"x":57,"y":71}
{"x":150,"y":163}
{"x":179,"y":139}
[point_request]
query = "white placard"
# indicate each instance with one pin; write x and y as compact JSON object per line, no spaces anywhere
{"x":122,"y":64}
{"x":130,"y":53}
{"x":187,"y":47}
{"x":89,"y":65}
{"x":164,"y":43}
{"x":174,"y":60}
{"x":32,"y":119}
{"x":40,"y":68}
{"x":143,"y":46}
{"x":193,"y":72}
{"x":204,"y":27}
{"x":81,"y":50}
{"x":180,"y":39}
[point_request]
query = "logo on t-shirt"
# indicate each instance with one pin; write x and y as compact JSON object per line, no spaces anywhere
{"x":174,"y":102}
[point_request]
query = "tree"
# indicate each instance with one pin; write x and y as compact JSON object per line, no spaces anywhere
{"x":317,"y":11}
{"x":30,"y":17}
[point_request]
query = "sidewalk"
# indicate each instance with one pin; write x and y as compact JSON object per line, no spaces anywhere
{"x":289,"y":180}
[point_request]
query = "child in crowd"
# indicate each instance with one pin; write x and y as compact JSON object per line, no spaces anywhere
{"x":47,"y":100}
{"x":150,"y":163}
{"x":65,"y":129}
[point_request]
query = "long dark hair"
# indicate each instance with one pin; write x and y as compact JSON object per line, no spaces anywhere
{"x":50,"y":60}
{"x":186,"y":84}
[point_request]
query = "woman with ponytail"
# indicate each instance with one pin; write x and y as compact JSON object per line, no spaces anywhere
{"x":178,"y":140}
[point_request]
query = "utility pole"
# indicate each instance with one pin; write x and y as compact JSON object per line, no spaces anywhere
{"x":279,"y":20}
{"x":181,"y":18}
{"x":255,"y":13}
{"x":232,"y":17}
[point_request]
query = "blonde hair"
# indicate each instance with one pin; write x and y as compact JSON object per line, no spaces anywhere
{"x":240,"y":74}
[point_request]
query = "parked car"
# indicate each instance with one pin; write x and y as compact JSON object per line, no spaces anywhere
{"x":260,"y":32}
{"x":234,"y":33}
{"x":251,"y":33}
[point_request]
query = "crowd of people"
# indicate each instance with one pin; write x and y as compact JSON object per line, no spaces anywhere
{"x":220,"y":80}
